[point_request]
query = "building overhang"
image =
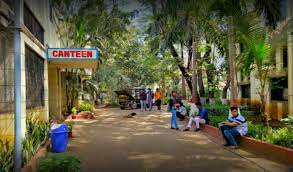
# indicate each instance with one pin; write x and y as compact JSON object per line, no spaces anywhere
{"x":74,"y":64}
{"x":277,"y":74}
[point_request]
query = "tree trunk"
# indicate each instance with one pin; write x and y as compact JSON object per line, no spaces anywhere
{"x":194,"y":71}
{"x":189,"y":62}
{"x":183,"y":89}
{"x":226,"y":88}
{"x":200,"y":83}
{"x":232,"y":55}
{"x":183,"y":70}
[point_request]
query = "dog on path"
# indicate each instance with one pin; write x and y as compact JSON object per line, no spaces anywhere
{"x":129,"y":115}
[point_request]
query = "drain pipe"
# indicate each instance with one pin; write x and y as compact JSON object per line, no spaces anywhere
{"x":17,"y":89}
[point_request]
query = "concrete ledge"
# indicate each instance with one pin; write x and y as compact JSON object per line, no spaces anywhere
{"x":270,"y":151}
{"x":31,"y":166}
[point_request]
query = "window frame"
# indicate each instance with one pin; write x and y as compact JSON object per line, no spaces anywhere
{"x":33,"y":26}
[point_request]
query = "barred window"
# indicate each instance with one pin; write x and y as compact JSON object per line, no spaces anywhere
{"x":6,"y":77}
{"x":245,"y":90}
{"x":34,"y":75}
{"x":31,"y":22}
{"x":285,"y":57}
{"x":279,"y":87}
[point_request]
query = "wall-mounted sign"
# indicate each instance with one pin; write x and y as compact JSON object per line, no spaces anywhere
{"x":72,"y":54}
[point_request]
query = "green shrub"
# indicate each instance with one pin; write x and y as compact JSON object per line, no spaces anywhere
{"x":37,"y":133}
{"x":217,"y":109}
{"x":113,"y":101}
{"x":281,"y":136}
{"x":6,"y":156}
{"x":86,"y":107}
{"x":257,"y":131}
{"x":288,"y":121}
{"x":165,"y":100}
{"x":216,"y":119}
{"x":74,"y":110}
{"x":59,"y":162}
{"x":187,"y":107}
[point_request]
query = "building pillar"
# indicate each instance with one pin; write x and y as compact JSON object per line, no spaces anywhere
{"x":54,"y":92}
{"x":290,"y":72}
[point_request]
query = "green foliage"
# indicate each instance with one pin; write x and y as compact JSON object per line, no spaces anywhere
{"x":216,"y":119}
{"x":165,"y":100}
{"x":86,"y":107}
{"x":288,"y":121}
{"x":74,"y":110}
{"x":217,"y":109}
{"x":281,"y":136}
{"x":36,"y":136}
{"x":6,"y":156}
{"x":257,"y":131}
{"x":70,"y":125}
{"x":59,"y":162}
{"x":187,"y":107}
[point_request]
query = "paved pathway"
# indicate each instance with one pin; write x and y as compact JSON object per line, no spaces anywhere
{"x":110,"y":143}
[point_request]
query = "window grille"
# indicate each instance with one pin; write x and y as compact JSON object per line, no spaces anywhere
{"x":278,"y":88}
{"x":34,"y":75}
{"x":245,"y":91}
{"x":285,"y":57}
{"x":33,"y":24}
{"x":6,"y":78}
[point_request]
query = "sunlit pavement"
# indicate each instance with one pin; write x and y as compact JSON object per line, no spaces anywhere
{"x":145,"y":143}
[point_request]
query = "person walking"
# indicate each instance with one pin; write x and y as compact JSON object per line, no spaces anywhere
{"x":174,"y":104}
{"x":143,"y":98}
{"x":158,"y":97}
{"x":150,"y":96}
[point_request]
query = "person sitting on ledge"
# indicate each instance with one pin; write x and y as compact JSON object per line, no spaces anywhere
{"x":236,"y":125}
{"x":201,"y":118}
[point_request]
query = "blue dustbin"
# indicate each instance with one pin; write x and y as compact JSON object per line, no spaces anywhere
{"x":59,"y":139}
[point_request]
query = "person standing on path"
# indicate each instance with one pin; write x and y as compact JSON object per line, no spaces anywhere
{"x":150,"y":96}
{"x":143,"y":97}
{"x":158,"y":97}
{"x":174,"y":103}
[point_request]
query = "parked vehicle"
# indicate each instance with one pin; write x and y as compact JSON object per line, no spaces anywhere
{"x":129,"y":98}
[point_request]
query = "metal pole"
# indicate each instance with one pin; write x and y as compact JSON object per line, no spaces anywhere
{"x":17,"y":89}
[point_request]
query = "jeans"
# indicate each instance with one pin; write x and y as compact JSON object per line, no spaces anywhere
{"x":229,"y":133}
{"x":151,"y":104}
{"x":143,"y":104}
{"x":174,"y":119}
{"x":158,"y":102}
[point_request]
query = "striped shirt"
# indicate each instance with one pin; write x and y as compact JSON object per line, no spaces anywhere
{"x":241,"y":124}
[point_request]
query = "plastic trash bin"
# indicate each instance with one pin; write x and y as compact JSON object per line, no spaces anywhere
{"x":59,"y":138}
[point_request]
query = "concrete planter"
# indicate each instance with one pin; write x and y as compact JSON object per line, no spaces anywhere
{"x":258,"y":147}
{"x":31,"y":166}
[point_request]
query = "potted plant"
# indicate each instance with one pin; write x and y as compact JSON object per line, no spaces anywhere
{"x":70,"y":125}
{"x":74,"y":112}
